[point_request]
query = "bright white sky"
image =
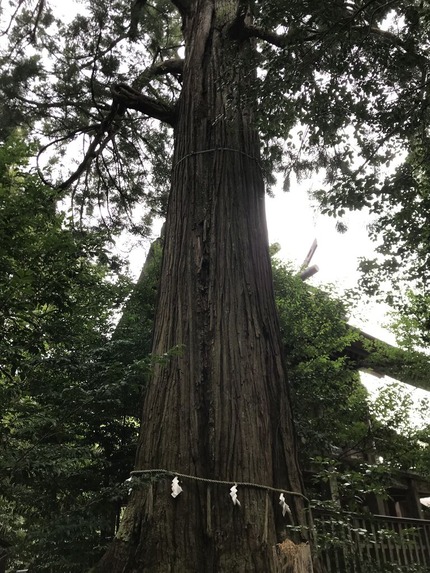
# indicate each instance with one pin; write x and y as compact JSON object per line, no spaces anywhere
{"x":294,"y":221}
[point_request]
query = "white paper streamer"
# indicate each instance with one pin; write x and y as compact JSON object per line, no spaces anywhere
{"x":233,"y":495}
{"x":284,"y":505}
{"x":129,"y":482}
{"x":176,"y":488}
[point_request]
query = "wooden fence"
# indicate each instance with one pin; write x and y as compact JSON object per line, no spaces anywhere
{"x":351,"y":543}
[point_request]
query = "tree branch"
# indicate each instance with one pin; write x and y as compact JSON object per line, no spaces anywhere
{"x":296,"y":36}
{"x":126,"y":97}
{"x":136,"y":9}
{"x":96,"y":147}
{"x":40,"y":9}
{"x":393,"y":39}
{"x":173,"y":66}
{"x":62,"y":139}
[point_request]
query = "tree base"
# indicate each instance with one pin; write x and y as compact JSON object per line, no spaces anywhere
{"x":294,"y":558}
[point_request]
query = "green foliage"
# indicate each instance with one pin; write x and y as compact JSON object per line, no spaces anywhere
{"x":399,"y":424}
{"x":400,"y":274}
{"x":69,"y":392}
{"x":330,"y":402}
{"x":398,"y":430}
{"x":352,"y":448}
{"x":67,"y":92}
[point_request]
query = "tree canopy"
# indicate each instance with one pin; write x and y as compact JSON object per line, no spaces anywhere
{"x":351,"y":78}
{"x":343,"y":90}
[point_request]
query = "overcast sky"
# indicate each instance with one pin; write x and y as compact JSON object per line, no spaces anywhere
{"x":294,"y":221}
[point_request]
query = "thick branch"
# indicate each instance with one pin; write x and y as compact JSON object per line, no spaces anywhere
{"x":242,"y":28}
{"x":127,"y":97}
{"x":96,"y":147}
{"x":393,"y":39}
{"x":296,"y":36}
{"x":124,"y":97}
{"x":174,"y":66}
{"x":39,"y":13}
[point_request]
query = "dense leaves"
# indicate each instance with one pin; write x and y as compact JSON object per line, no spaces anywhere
{"x":400,"y":274}
{"x":350,"y":77}
{"x":69,"y":386}
{"x":361,"y":444}
{"x":330,"y":403}
{"x":342,"y":89}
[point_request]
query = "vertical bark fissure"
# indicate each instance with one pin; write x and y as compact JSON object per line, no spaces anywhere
{"x":219,"y":410}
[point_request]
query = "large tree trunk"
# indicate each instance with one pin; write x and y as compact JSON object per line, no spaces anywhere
{"x":220,"y":410}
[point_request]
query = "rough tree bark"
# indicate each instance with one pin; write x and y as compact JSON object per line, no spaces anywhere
{"x":220,"y":410}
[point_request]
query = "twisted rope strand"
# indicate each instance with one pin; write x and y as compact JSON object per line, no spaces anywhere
{"x":222,"y":482}
{"x":256,"y":159}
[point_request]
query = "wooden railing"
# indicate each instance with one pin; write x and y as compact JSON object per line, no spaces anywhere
{"x":351,"y":543}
